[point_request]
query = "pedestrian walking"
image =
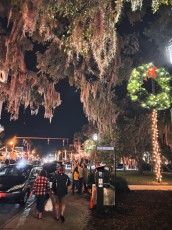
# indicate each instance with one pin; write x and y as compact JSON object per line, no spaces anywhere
{"x":85,"y":176}
{"x":7,"y":162}
{"x":75,"y":180}
{"x":41,"y":189}
{"x":60,"y":185}
{"x":74,"y":165}
{"x":81,"y":175}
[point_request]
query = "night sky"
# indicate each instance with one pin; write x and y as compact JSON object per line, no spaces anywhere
{"x":68,"y":119}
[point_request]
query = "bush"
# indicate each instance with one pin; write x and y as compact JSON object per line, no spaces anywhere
{"x":107,"y":176}
{"x":120,"y":183}
{"x":146,"y":167}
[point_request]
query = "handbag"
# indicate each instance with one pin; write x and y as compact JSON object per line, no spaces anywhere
{"x":49,"y":205}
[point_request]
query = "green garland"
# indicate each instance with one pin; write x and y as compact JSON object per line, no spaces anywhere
{"x":160,"y":99}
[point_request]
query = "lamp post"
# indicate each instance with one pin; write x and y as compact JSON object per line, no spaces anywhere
{"x":12,"y":151}
{"x":65,"y":155}
{"x":71,"y":156}
{"x":169,"y":49}
{"x":59,"y":156}
{"x":95,"y":138}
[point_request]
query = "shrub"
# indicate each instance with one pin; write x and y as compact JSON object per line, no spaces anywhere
{"x":146,"y":167}
{"x":120,"y":183}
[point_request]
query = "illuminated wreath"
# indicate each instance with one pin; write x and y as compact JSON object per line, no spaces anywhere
{"x":140,"y":90}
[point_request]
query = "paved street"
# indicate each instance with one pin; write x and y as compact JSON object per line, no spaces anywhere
{"x":9,"y":211}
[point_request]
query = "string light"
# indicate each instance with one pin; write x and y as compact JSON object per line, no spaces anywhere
{"x":156,"y":149}
{"x":155,"y":101}
{"x":139,"y":76}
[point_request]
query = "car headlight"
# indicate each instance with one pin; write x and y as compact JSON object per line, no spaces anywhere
{"x":16,"y":187}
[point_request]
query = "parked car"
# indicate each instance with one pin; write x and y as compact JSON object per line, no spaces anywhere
{"x":51,"y":169}
{"x":120,"y":167}
{"x":2,"y":164}
{"x":37,"y":163}
{"x":7,"y":162}
{"x":16,"y":182}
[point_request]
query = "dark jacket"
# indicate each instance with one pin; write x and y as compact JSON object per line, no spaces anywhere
{"x":60,"y":184}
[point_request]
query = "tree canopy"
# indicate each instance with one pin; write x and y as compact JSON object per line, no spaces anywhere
{"x":77,"y":39}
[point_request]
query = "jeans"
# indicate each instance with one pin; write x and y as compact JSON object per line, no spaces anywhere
{"x":40,"y":202}
{"x":75,"y":185}
{"x":80,"y":185}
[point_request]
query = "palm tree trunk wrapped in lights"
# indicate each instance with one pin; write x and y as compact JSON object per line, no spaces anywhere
{"x":156,"y":149}
{"x":158,"y":99}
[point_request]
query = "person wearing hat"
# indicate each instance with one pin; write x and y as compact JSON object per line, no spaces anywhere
{"x":60,"y":185}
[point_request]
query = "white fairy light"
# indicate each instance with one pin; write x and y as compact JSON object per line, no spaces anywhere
{"x":156,"y":149}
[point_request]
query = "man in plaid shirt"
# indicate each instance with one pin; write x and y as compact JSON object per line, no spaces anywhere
{"x":41,"y":189}
{"x":41,"y":186}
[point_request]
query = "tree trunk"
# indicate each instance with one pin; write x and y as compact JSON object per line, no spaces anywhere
{"x":139,"y":164}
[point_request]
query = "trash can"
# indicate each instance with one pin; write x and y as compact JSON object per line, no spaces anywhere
{"x":107,"y":199}
{"x":108,"y":194}
{"x":103,"y":194}
{"x":99,"y":187}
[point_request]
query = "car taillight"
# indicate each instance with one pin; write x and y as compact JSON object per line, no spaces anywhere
{"x":2,"y":194}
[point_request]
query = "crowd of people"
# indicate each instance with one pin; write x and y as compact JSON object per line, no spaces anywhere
{"x":59,"y":189}
{"x":80,"y":177}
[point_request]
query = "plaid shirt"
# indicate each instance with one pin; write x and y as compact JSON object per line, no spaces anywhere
{"x":41,"y":186}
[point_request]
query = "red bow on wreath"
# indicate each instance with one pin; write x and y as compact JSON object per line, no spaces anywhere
{"x":151,"y":73}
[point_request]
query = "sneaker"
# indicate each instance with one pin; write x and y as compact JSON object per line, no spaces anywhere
{"x":62,"y":218}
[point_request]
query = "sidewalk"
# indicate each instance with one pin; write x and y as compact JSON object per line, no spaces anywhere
{"x":151,"y":187}
{"x":76,"y":215}
{"x":77,"y":211}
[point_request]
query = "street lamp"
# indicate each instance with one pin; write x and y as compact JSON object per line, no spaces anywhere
{"x":95,"y":137}
{"x":33,"y":151}
{"x":169,"y":49}
{"x":1,"y":128}
{"x":12,"y":143}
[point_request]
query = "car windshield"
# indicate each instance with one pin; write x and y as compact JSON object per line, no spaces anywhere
{"x":14,"y":171}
